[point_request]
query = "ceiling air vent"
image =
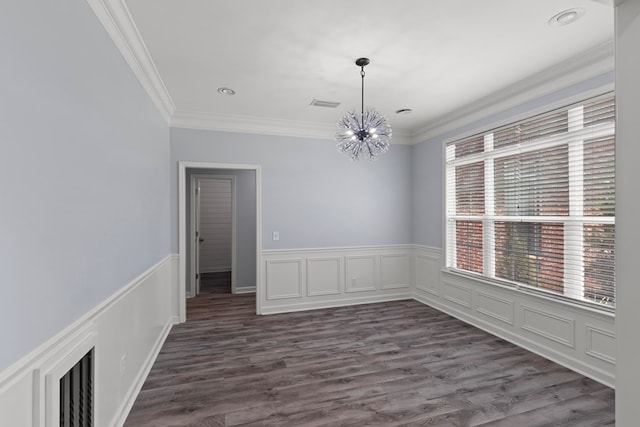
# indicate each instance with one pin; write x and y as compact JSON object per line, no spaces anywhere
{"x":328,"y":104}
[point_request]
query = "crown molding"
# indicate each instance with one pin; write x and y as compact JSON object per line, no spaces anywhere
{"x":587,"y":65}
{"x":117,"y":21}
{"x":262,"y":126}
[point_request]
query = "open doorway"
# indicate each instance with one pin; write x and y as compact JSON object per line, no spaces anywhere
{"x":242,"y":184}
{"x":212,"y":232}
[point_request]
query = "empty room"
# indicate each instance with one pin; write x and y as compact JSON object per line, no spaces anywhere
{"x":306,"y":213}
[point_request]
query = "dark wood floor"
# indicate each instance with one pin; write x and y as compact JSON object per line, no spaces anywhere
{"x":388,"y":364}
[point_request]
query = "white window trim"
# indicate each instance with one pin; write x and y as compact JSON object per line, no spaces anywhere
{"x":576,"y":131}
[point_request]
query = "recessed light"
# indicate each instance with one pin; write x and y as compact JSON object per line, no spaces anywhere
{"x":226,"y":91}
{"x":404,"y":111}
{"x":567,"y":17}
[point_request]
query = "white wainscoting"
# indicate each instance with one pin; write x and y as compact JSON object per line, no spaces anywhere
{"x":304,"y":279}
{"x":395,"y":271}
{"x":571,"y":335}
{"x":324,"y":275}
{"x":574,"y":336}
{"x":127,"y":331}
{"x":135,"y":321}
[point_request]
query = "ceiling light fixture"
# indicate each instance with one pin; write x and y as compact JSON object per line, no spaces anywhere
{"x":226,"y":91}
{"x":567,"y":17}
{"x":366,"y":134}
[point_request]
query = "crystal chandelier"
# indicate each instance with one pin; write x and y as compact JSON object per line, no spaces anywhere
{"x":365,"y":134}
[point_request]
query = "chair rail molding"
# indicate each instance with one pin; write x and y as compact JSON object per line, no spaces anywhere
{"x":123,"y":355}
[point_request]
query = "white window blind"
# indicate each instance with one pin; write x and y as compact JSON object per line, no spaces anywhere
{"x":532,"y":204}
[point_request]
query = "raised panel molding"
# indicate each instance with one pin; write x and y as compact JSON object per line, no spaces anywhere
{"x":498,"y":308}
{"x":317,"y":278}
{"x":601,"y":344}
{"x":549,"y":325}
{"x":427,"y":273}
{"x":548,"y":328}
{"x":323,"y":276}
{"x":360,"y":273}
{"x":395,"y":271}
{"x":284,"y":278}
{"x":457,"y":294}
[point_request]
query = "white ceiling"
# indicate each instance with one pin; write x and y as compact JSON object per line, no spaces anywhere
{"x":434,"y":57}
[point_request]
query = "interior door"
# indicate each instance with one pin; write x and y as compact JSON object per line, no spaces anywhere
{"x":198,"y":237}
{"x":211,"y":229}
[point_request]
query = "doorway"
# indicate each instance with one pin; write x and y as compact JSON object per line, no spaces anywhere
{"x":212,"y":229}
{"x":247,"y":245}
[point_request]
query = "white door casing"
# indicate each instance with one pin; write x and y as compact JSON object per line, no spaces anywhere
{"x":183,"y":240}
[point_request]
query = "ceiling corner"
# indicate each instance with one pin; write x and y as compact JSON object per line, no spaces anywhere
{"x":581,"y":67}
{"x":117,"y":21}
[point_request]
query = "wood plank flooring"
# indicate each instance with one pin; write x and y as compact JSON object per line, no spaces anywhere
{"x":389,"y":364}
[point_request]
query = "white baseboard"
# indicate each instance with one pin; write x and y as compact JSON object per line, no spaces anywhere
{"x":290,"y":308}
{"x":245,"y":289}
{"x":215,"y":270}
{"x":135,"y":388}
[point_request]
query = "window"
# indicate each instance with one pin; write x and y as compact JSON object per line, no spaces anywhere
{"x":532,"y":204}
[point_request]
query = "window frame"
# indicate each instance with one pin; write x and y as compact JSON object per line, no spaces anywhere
{"x":489,"y":219}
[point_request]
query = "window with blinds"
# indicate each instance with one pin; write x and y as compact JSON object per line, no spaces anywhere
{"x":532,"y":204}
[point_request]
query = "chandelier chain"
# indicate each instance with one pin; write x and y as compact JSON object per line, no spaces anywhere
{"x":362,"y":98}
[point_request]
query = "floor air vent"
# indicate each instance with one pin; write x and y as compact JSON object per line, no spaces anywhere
{"x":76,"y":394}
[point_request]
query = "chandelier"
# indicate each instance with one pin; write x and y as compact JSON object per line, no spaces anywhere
{"x":365,"y":134}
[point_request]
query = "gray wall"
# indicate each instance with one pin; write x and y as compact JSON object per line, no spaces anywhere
{"x":84,"y":176}
{"x":313,"y":195}
{"x":245,"y":222}
{"x":427,"y":161}
{"x":245,"y":228}
{"x":426,"y":168}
